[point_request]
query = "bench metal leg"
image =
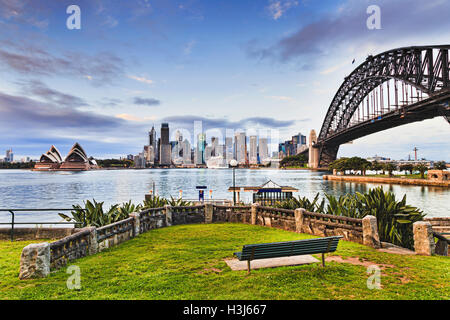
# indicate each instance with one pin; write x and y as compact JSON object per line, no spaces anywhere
{"x":323,"y":259}
{"x":248,"y":266}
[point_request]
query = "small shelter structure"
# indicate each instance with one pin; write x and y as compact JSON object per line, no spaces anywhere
{"x":266,"y":194}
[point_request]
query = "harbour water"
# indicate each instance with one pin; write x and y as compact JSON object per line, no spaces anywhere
{"x":28,"y":189}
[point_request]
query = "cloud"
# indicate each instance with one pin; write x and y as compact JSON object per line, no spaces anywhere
{"x":189,"y":46}
{"x":28,"y":113}
{"x":146,"y":101}
{"x":32,"y":60}
{"x":131,"y":117}
{"x":141,"y":79}
{"x":39,"y":89}
{"x":401,"y":20}
{"x":281,"y":98}
{"x":277,"y":8}
{"x":216,"y":123}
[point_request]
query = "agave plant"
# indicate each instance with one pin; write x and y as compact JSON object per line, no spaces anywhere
{"x":395,"y":218}
{"x":305,"y":203}
{"x":93,"y":214}
{"x":158,"y":202}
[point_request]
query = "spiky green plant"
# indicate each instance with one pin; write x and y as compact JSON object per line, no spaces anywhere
{"x":93,"y":214}
{"x":302,"y":202}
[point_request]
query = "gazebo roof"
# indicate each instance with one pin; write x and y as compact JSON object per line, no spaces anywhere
{"x":269,"y":185}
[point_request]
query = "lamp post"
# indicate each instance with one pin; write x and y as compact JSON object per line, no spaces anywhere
{"x":233,"y":164}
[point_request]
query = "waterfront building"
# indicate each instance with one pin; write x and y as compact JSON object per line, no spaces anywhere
{"x":9,"y":155}
{"x":253,"y":153}
{"x":153,"y":144}
{"x":208,"y":153}
{"x":186,"y":147}
{"x":214,"y":144}
{"x":165,"y":148}
{"x":139,"y":161}
{"x":298,"y":141}
{"x":241,"y":148}
{"x":130,"y":157}
{"x":76,"y":160}
{"x":201,"y":145}
{"x":263,"y":151}
{"x":229,"y":149}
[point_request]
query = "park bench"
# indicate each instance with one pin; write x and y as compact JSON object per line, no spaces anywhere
{"x":289,"y":248}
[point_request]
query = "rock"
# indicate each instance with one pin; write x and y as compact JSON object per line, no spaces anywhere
{"x":370,"y":232}
{"x":35,"y":261}
{"x":423,"y":238}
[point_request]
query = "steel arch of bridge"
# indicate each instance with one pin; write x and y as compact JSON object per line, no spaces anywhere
{"x":419,"y":67}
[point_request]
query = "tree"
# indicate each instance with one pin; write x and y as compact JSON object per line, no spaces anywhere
{"x":407,"y":167}
{"x":422,"y":168}
{"x":376,"y":166}
{"x":298,"y":160}
{"x":440,"y":165}
{"x":389,"y":167}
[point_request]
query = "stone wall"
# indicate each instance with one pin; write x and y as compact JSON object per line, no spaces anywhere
{"x":22,"y":234}
{"x":88,"y":241}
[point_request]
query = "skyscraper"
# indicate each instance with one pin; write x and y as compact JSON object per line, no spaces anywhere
{"x":9,"y":155}
{"x":241,"y":147}
{"x":229,"y":149}
{"x":165,"y":149}
{"x":253,"y":154}
{"x":186,"y":152}
{"x":153,"y":147}
{"x":201,"y":144}
{"x":263,"y":150}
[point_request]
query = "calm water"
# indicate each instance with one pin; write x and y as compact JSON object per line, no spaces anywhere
{"x":28,"y":189}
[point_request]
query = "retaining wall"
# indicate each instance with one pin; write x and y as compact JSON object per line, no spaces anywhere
{"x":37,"y":260}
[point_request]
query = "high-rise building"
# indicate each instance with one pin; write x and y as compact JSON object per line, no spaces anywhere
{"x":263,"y":150}
{"x":298,"y":143}
{"x":153,"y":143}
{"x":214,"y":144}
{"x":208,"y":153}
{"x":186,"y":146}
{"x":9,"y":156}
{"x":229,"y":149}
{"x":201,"y":144}
{"x":165,"y":149}
{"x":253,"y":152}
{"x":241,"y":147}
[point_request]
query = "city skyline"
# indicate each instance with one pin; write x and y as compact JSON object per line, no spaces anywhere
{"x":235,"y":64}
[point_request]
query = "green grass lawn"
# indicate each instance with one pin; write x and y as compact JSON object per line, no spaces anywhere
{"x":187,"y":262}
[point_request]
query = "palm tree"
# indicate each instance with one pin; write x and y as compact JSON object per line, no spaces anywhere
{"x":440,"y":165}
{"x":422,"y":168}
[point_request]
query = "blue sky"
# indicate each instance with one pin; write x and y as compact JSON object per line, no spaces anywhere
{"x":261,"y":64}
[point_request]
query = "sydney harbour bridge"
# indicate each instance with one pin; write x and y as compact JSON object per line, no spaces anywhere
{"x":394,"y":88}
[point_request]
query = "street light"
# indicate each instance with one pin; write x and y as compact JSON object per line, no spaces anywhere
{"x":233,"y":164}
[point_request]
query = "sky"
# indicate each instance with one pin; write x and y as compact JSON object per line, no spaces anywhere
{"x":270,"y":67}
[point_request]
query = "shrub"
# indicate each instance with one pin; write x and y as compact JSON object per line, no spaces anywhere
{"x":394,"y":218}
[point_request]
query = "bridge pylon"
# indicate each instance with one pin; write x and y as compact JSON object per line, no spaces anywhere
{"x":313,"y":156}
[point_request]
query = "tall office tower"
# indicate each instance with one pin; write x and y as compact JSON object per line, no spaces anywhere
{"x":201,"y":144}
{"x":241,"y":148}
{"x":220,"y":151}
{"x":263,"y":150}
{"x":186,"y":147}
{"x":228,"y":149}
{"x":214,"y":144}
{"x":208,"y":153}
{"x":9,"y":155}
{"x":298,"y":141}
{"x":165,"y":149}
{"x":253,"y":153}
{"x":153,"y":143}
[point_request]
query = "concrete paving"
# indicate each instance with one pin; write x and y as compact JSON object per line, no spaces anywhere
{"x":235,"y":264}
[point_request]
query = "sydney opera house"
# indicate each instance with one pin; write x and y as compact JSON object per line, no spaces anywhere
{"x":76,"y":160}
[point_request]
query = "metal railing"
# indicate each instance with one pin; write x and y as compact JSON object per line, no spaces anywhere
{"x":13,"y":216}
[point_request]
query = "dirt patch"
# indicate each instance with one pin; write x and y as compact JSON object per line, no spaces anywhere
{"x":357,"y":261}
{"x":209,"y":270}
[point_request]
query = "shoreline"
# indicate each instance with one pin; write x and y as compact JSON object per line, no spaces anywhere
{"x":404,"y":181}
